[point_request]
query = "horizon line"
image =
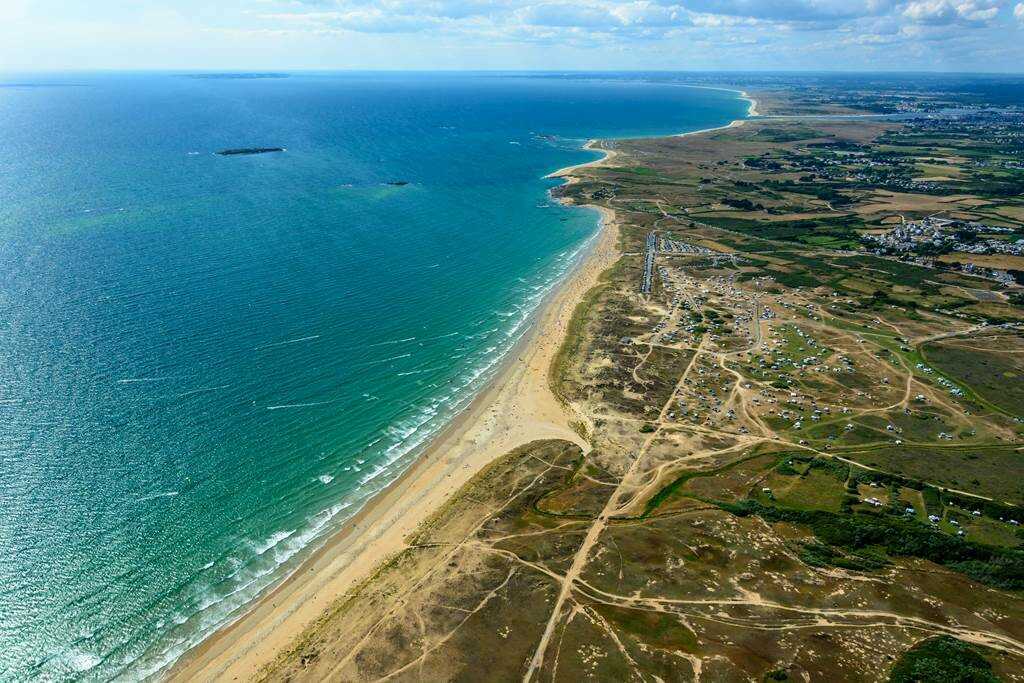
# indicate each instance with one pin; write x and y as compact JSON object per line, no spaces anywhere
{"x":278,"y":71}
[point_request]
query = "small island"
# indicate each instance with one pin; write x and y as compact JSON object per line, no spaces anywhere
{"x":248,"y":150}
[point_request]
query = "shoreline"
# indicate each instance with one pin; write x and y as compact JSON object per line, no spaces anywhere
{"x":516,"y":407}
{"x":732,"y":124}
{"x":609,"y":154}
{"x":752,"y":109}
{"x":744,"y":95}
{"x":591,"y":146}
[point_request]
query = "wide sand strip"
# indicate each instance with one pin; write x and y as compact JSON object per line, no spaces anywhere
{"x":517,"y":408}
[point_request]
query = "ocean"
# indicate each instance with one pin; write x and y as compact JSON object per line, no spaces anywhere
{"x":208,"y":363}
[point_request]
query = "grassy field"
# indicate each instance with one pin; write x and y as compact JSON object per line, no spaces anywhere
{"x":995,"y":374}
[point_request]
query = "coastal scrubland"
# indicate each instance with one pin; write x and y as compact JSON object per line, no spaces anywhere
{"x":804,"y":462}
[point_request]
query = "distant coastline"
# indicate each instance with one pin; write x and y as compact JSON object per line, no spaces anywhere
{"x":752,"y":110}
{"x":516,"y":407}
{"x":609,"y":154}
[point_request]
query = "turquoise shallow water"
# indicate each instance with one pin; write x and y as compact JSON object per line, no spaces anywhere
{"x":207,"y":363}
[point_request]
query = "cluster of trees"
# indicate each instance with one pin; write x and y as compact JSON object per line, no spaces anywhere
{"x":823,"y":192}
{"x":942,"y":660}
{"x":743,"y":204}
{"x":898,"y":537}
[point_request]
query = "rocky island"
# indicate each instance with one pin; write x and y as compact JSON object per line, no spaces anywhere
{"x":248,"y":150}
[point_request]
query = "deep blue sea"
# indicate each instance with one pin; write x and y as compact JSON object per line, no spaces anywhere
{"x":208,"y":363}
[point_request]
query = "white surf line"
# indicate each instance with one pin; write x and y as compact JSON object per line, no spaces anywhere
{"x":420,"y":372}
{"x":286,"y":342}
{"x":203,"y":390}
{"x":608,"y":154}
{"x":441,"y":336}
{"x":298,"y":405}
{"x":744,"y":95}
{"x":394,"y":341}
{"x":135,"y":380}
{"x":154,"y":496}
{"x":409,"y":339}
{"x":383,"y":360}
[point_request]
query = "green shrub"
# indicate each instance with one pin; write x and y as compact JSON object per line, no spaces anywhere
{"x":897,"y":536}
{"x":785,"y":469}
{"x":942,"y":660}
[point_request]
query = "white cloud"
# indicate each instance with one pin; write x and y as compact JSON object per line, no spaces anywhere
{"x":621,"y":15}
{"x":369,"y":20}
{"x":598,"y":34}
{"x":566,"y":14}
{"x":793,"y":10}
{"x":514,"y":17}
{"x":856,"y":29}
{"x":951,"y":11}
{"x":650,"y":14}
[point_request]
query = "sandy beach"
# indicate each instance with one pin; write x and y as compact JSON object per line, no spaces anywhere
{"x":752,"y":110}
{"x":610,"y":154}
{"x":518,"y":407}
{"x":591,"y":145}
{"x":744,"y":95}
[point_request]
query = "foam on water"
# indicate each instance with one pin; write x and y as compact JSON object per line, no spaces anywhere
{"x":385,"y":360}
{"x":154,"y":496}
{"x":298,"y":405}
{"x":217,"y":604}
{"x":393,"y":341}
{"x":390,"y":459}
{"x":287,"y":342}
{"x":79,"y":662}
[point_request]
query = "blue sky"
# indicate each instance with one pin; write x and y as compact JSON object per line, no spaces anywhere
{"x":941,"y":35}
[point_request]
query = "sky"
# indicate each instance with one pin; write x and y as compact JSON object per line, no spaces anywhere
{"x":909,"y":35}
